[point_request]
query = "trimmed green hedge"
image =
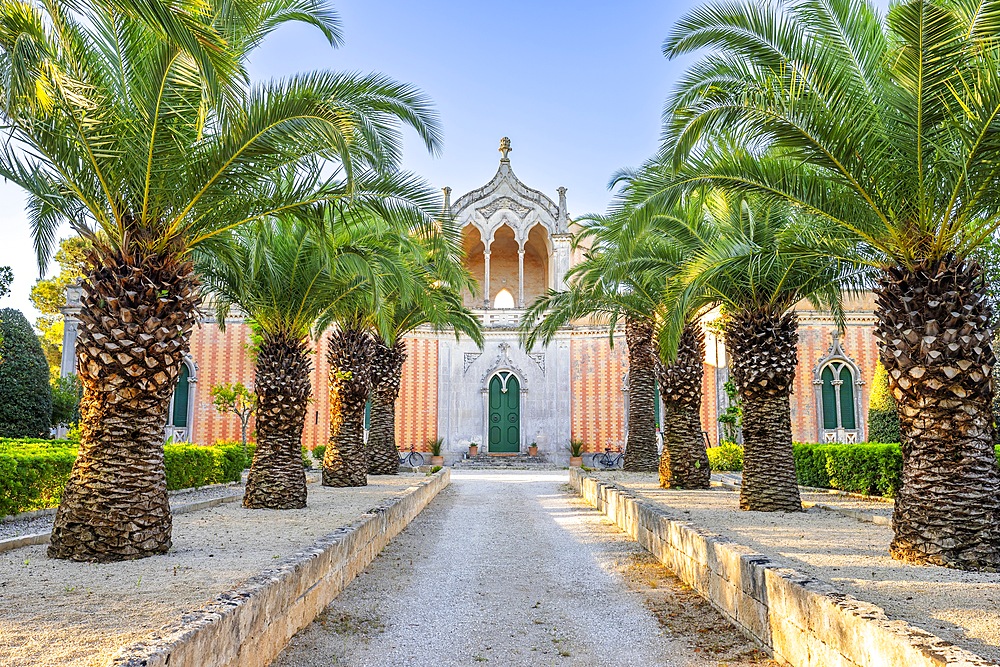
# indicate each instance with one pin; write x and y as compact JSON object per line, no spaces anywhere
{"x":34,"y":472}
{"x":871,"y":468}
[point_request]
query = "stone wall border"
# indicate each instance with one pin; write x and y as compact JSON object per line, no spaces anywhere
{"x":803,"y":621}
{"x":250,"y":625}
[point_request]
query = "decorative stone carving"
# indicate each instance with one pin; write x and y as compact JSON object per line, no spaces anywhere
{"x":503,"y":202}
{"x":539,"y":359}
{"x":503,"y":362}
{"x":470,"y":358}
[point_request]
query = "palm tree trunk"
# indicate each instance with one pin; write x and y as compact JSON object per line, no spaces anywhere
{"x":387,"y":372}
{"x":277,"y":479}
{"x":640,"y":447}
{"x":684,"y":461}
{"x":763,"y":360}
{"x":136,"y":317}
{"x":933,"y":323}
{"x":345,"y":462}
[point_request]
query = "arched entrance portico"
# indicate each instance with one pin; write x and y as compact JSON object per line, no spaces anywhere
{"x":504,"y":421}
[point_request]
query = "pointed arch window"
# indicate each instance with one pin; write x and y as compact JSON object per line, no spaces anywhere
{"x":838,"y":383}
{"x":182,"y":402}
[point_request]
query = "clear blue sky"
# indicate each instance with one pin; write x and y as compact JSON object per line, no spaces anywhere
{"x":578,"y":86}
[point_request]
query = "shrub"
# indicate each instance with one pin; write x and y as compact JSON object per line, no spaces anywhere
{"x":33,"y":472}
{"x":33,"y":478}
{"x":66,"y":394}
{"x":318,"y":452}
{"x":307,"y":461}
{"x":25,"y":394}
{"x":726,"y":457}
{"x":870,"y":468}
{"x":883,"y":422}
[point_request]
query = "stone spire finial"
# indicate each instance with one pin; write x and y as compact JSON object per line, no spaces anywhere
{"x":563,"y":221}
{"x":447,"y":198}
{"x":505,"y":148}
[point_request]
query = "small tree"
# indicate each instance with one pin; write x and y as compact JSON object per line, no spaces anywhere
{"x":236,"y":399}
{"x":731,"y":417}
{"x":25,"y":395}
{"x":883,"y":422}
{"x":66,"y":393}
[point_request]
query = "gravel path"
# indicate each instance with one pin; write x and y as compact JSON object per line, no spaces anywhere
{"x":56,"y":613}
{"x":960,"y":607}
{"x":508,"y":568}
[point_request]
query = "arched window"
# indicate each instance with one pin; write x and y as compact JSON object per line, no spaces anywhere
{"x":504,"y":299}
{"x":182,"y":403}
{"x":837,"y":382}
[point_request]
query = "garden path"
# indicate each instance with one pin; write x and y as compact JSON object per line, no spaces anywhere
{"x":508,"y":568}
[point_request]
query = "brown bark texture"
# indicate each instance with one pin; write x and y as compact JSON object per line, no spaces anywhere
{"x":345,"y":462}
{"x":762,"y":348}
{"x":640,"y":447}
{"x":387,"y":375}
{"x":684,"y":461}
{"x":277,"y":479}
{"x":136,"y":318}
{"x":933,"y":325}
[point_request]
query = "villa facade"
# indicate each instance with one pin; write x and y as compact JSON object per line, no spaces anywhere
{"x":518,"y":245}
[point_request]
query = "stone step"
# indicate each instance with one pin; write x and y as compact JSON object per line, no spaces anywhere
{"x":519,"y":462}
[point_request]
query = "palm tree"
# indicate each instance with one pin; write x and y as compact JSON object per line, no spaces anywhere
{"x":437,"y":303}
{"x":284,"y":274}
{"x":599,"y":289}
{"x":756,"y":262}
{"x":134,"y":121}
{"x":887,"y":128}
{"x":361,"y":321}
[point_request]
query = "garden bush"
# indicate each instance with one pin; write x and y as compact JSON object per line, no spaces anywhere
{"x":25,"y":394}
{"x":883,"y":422}
{"x":871,"y":468}
{"x":33,"y":472}
{"x":318,"y":452}
{"x":726,"y":457}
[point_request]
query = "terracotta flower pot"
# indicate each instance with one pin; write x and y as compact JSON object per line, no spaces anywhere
{"x":575,"y":461}
{"x":437,"y":460}
{"x":532,"y":450}
{"x":473,"y":450}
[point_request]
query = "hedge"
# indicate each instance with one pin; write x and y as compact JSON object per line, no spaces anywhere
{"x":871,"y":468}
{"x":34,"y":472}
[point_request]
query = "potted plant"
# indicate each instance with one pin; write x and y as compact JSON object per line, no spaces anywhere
{"x":436,"y":444}
{"x":575,"y":453}
{"x":533,"y":449}
{"x":473,"y":449}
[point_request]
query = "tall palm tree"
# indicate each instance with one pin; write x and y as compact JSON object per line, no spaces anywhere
{"x":285,"y":274}
{"x":135,"y":122}
{"x":756,"y":262}
{"x":885,"y":127}
{"x":361,"y":321}
{"x":599,"y":289}
{"x":437,"y":303}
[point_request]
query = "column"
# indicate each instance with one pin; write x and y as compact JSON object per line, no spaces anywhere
{"x":520,"y":277}
{"x":486,"y":279}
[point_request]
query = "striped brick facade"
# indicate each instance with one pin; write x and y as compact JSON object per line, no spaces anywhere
{"x":597,"y":372}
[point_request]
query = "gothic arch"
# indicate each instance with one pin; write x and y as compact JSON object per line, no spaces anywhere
{"x":837,"y":384}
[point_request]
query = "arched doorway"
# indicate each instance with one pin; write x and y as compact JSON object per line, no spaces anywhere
{"x":505,"y":414}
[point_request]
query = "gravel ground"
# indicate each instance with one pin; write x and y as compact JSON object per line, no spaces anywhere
{"x":509,"y":568}
{"x":43,"y":524}
{"x":55,"y":612}
{"x":960,"y":607}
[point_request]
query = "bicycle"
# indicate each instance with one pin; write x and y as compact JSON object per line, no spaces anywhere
{"x":412,"y":459}
{"x":610,"y":458}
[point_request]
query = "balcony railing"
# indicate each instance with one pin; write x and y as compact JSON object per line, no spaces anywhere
{"x":501,"y":318}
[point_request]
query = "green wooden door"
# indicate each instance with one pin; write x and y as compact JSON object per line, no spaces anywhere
{"x":505,"y":414}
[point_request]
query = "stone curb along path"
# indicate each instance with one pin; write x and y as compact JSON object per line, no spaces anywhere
{"x":805,"y":622}
{"x":250,"y":625}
